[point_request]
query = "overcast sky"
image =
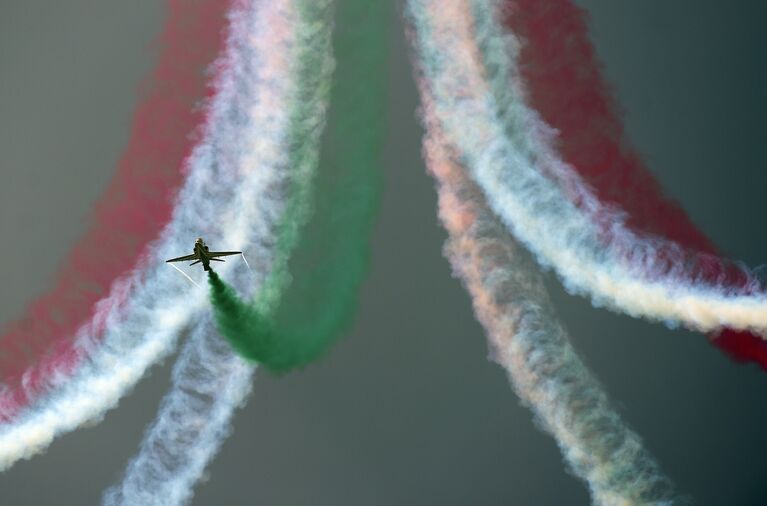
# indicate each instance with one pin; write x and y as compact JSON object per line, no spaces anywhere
{"x":406,"y":409}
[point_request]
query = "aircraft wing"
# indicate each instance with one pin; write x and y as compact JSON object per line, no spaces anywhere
{"x":183,"y":259}
{"x":214,"y":254}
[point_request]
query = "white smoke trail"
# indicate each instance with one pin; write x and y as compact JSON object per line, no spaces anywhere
{"x":469,"y":67}
{"x":528,"y":342}
{"x":147,"y":309}
{"x":209,"y":381}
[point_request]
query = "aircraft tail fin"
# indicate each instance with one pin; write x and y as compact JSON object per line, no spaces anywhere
{"x":194,"y":263}
{"x":216,"y":260}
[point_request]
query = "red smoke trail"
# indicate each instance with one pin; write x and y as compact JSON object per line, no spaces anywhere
{"x":135,"y":207}
{"x":565,"y":85}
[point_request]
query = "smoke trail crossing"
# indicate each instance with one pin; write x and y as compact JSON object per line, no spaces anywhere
{"x":511,"y":303}
{"x":39,"y":348}
{"x":467,"y":64}
{"x":210,"y":380}
{"x":157,"y":303}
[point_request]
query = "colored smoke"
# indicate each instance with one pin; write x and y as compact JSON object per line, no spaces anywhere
{"x":40,"y":346}
{"x":306,"y":303}
{"x":468,"y":64}
{"x":564,"y":82}
{"x":528,"y":341}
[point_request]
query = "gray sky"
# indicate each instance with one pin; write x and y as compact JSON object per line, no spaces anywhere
{"x":407,"y":409}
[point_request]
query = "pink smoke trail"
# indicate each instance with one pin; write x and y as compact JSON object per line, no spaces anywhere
{"x":469,"y":67}
{"x":156,"y":304}
{"x":529,"y":343}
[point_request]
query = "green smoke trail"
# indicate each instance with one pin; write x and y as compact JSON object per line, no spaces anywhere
{"x":311,"y":296}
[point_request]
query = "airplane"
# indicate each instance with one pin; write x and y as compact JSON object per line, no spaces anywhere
{"x":202,"y":254}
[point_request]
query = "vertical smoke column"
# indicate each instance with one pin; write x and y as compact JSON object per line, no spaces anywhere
{"x":528,"y":342}
{"x":310,"y":297}
{"x":208,"y":383}
{"x":284,"y":52}
{"x":565,"y":86}
{"x":131,"y":213}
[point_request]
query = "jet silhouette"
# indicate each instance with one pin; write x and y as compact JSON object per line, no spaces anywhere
{"x":202,"y":254}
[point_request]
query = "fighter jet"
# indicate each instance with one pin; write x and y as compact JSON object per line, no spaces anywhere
{"x":202,"y":254}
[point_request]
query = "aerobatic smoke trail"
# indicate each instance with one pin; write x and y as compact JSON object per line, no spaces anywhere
{"x":40,"y":346}
{"x":468,"y":65}
{"x":564,"y":85}
{"x":209,"y":381}
{"x":310,"y":296}
{"x":216,"y":200}
{"x":528,"y":342}
{"x":289,"y":38}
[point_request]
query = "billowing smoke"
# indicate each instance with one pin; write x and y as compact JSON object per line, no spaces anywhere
{"x":209,"y":380}
{"x":564,"y":84}
{"x":208,"y":383}
{"x":310,"y":295}
{"x":529,"y":343}
{"x":156,"y":303}
{"x":39,"y":348}
{"x":468,"y":64}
